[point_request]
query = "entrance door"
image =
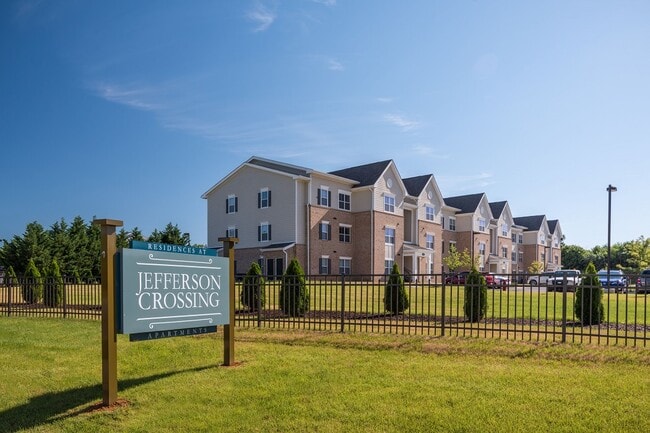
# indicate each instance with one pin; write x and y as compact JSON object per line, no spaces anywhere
{"x":279,"y":267}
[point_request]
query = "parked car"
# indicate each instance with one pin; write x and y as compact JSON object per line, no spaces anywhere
{"x":643,"y":282}
{"x":458,"y":278}
{"x":616,"y":280}
{"x":571,"y":277}
{"x":542,"y":278}
{"x":494,"y":281}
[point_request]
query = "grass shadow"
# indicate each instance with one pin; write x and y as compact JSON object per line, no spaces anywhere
{"x":52,"y":406}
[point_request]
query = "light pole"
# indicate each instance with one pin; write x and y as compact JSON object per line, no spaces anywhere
{"x":610,"y":190}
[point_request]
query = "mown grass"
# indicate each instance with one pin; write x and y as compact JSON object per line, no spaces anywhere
{"x":292,"y":381}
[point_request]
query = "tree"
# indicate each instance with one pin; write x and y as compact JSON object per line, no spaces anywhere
{"x":574,"y":257}
{"x":396,"y":300}
{"x":588,"y":304}
{"x":32,"y":284}
{"x":294,"y":295}
{"x":53,"y":291}
{"x":252,"y":295}
{"x":536,"y":267}
{"x":32,"y":245}
{"x":170,"y":235}
{"x":10,"y":277}
{"x":475,"y":303}
{"x":457,"y":260}
{"x":638,"y":253}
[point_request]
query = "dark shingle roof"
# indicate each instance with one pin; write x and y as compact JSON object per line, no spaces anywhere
{"x":415,"y":185}
{"x":286,"y":168}
{"x":530,"y":222}
{"x":367,"y":174}
{"x":466,"y":203}
{"x":497,"y":208}
{"x":552,"y":224}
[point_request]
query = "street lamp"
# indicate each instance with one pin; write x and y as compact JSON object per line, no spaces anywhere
{"x":610,"y":190}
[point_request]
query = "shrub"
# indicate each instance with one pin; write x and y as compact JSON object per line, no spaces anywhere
{"x":294,"y":295}
{"x":53,"y":293}
{"x":588,"y":304}
{"x":252,"y":295}
{"x":396,"y":300}
{"x":32,"y":284}
{"x":11,"y":280}
{"x":475,"y":304}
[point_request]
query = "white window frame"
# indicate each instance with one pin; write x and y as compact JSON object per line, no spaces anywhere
{"x":343,"y":235}
{"x":452,"y":224}
{"x":323,"y":195}
{"x":429,"y":212}
{"x":482,"y":248}
{"x":389,"y":203}
{"x":265,"y":232}
{"x":430,"y":241}
{"x":482,"y":224}
{"x":324,"y":263}
{"x":504,"y":229}
{"x":231,"y":232}
{"x":264,"y":198}
{"x":343,"y":269}
{"x":343,"y":204}
{"x":232,"y":204}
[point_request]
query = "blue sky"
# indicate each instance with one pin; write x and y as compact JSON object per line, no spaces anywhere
{"x":131,"y":110}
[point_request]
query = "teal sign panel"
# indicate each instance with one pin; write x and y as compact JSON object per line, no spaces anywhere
{"x":168,"y":248}
{"x":159,"y":291}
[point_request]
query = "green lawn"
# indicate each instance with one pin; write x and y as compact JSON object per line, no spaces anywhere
{"x":292,"y":381}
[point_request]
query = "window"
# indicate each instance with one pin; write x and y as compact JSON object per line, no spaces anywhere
{"x":264,"y":232}
{"x":344,"y":200}
{"x":514,"y":237}
{"x":264,"y":198}
{"x":232,"y":232}
{"x":481,"y":224}
{"x":452,"y":224}
{"x":543,"y":257}
{"x":324,"y":265}
{"x":481,"y":248}
{"x":504,"y":229}
{"x":430,"y":241}
{"x":324,"y":231}
{"x":324,"y":196}
{"x":231,"y":204}
{"x":556,"y":243}
{"x":429,"y":212}
{"x":389,"y":236}
{"x":345,"y":265}
{"x":389,"y":203}
{"x":442,"y":222}
{"x":520,"y":238}
{"x":513,"y":256}
{"x":504,"y":252}
{"x":344,"y":233}
{"x":542,"y":239}
{"x":520,"y":257}
{"x":556,"y":260}
{"x":388,"y":266}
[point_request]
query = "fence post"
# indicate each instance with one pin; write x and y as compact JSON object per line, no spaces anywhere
{"x":564,"y":298}
{"x":442,"y":316}
{"x":10,"y":288}
{"x":258,"y":281}
{"x":342,"y":303}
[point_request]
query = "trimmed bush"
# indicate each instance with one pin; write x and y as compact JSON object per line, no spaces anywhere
{"x":475,"y":305}
{"x":588,"y":304}
{"x":53,"y":293}
{"x":294,"y":295}
{"x":396,"y":300}
{"x":252,"y":294}
{"x":32,"y":284}
{"x":11,"y":280}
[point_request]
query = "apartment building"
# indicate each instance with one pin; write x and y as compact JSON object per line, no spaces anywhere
{"x":358,"y":220}
{"x":541,"y":241}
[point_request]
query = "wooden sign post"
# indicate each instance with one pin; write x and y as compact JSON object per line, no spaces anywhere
{"x":109,"y":336}
{"x":229,"y":330}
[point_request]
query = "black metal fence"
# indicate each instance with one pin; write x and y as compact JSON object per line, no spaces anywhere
{"x":437,"y":305}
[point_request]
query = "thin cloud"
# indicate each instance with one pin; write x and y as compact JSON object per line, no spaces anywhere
{"x":262,"y":17}
{"x":427,"y":151}
{"x":325,"y":2}
{"x":335,"y":65}
{"x":384,"y":100}
{"x":401,"y":121}
{"x":133,"y":97}
{"x":469,"y":182}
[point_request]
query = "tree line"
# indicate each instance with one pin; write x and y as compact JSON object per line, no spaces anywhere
{"x":75,"y":246}
{"x":631,"y":257}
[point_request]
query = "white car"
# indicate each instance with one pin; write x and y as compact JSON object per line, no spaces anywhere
{"x":540,"y":279}
{"x":571,"y":277}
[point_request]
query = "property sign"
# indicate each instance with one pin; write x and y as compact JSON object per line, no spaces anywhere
{"x":164,"y":287}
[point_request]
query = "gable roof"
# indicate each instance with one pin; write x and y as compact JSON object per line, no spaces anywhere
{"x":466,"y":203}
{"x":366,"y":175}
{"x":532,"y":223}
{"x":280,"y":166}
{"x":497,"y":208}
{"x":415,"y":185}
{"x":552,"y":225}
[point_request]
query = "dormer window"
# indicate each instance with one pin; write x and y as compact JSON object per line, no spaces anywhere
{"x":481,"y":224}
{"x":429,"y":212}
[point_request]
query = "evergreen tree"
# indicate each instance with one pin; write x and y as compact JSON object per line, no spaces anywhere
{"x":588,"y":304}
{"x":294,"y":294}
{"x":32,"y":284}
{"x":475,"y":303}
{"x":252,"y":294}
{"x":10,"y":277}
{"x":53,"y":294}
{"x":396,"y":300}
